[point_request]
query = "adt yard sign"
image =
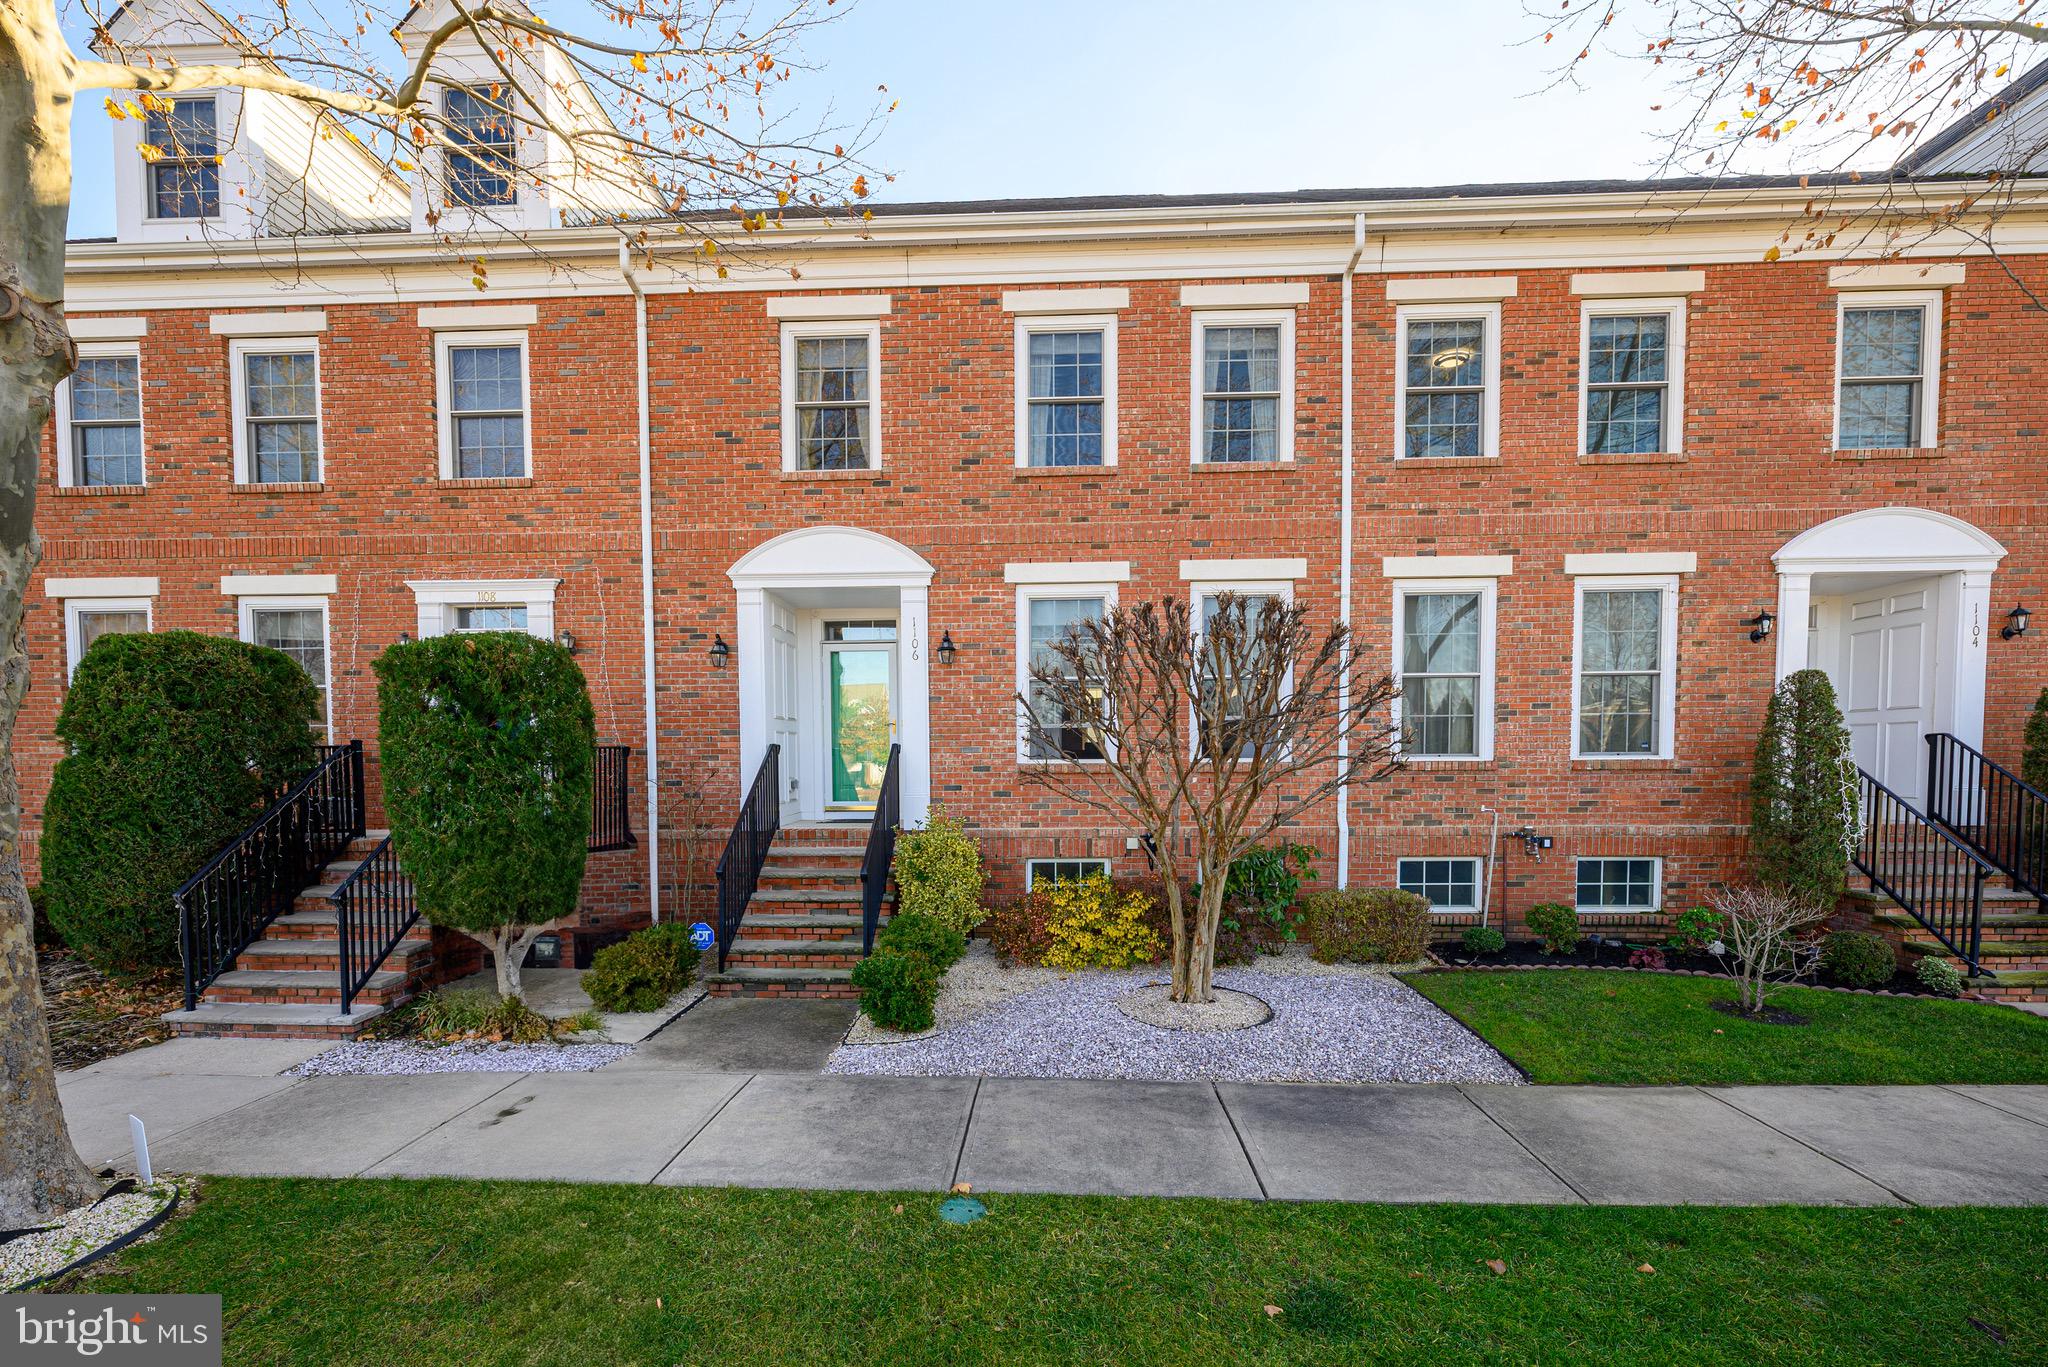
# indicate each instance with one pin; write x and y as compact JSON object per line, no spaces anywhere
{"x":701,"y":936}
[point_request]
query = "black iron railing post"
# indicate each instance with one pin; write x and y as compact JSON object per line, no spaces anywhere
{"x":746,"y":849}
{"x":880,"y":853}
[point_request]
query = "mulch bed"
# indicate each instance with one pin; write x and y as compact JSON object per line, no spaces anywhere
{"x":1770,"y":1015}
{"x":1612,"y":953}
{"x":93,"y":1017}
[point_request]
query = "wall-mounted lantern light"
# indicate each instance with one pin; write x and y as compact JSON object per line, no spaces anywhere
{"x":405,"y":638}
{"x":1761,"y":624}
{"x":946,"y":648}
{"x":566,"y":640}
{"x":720,"y":651}
{"x":2015,"y":623}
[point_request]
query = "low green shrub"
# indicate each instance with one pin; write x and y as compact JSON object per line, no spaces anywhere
{"x":1694,"y":929}
{"x":1259,"y":897}
{"x":897,"y":991}
{"x":1483,"y":940}
{"x":918,"y":936}
{"x":642,"y":971}
{"x":1366,"y":926}
{"x":938,"y":872}
{"x":1556,"y":924}
{"x":1857,"y":958}
{"x":1939,"y":976}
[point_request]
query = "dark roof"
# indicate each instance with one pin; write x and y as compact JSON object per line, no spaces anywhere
{"x":1946,"y":140}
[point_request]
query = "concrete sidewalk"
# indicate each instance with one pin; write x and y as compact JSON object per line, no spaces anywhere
{"x":218,"y":1107}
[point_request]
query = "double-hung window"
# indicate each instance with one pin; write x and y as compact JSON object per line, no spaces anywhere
{"x":102,"y":409}
{"x":88,"y":619}
{"x":1445,"y":664}
{"x":1625,"y":667}
{"x":1887,"y":364}
{"x":184,"y":175}
{"x":296,"y":626}
{"x":1450,"y":885}
{"x":1632,"y":400}
{"x":483,"y":405}
{"x":1244,"y":388}
{"x":1066,"y":399}
{"x":1226,"y":700}
{"x":1618,"y":885}
{"x":277,"y":412}
{"x":480,"y":174}
{"x":1048,"y":616}
{"x":1447,"y":381}
{"x":830,"y":383}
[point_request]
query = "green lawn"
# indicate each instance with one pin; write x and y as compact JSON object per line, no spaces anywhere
{"x":1563,"y":1025}
{"x":393,"y":1274}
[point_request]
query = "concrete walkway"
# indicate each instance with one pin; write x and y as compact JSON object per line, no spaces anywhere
{"x":218,"y":1106}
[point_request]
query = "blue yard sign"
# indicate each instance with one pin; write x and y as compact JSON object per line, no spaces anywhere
{"x":701,"y":936}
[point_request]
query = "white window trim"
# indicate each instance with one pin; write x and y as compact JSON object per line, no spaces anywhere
{"x":1202,"y":319}
{"x":868,"y":327}
{"x":1198,"y":589}
{"x":1489,"y":597}
{"x":1029,"y":323}
{"x":1673,"y":309}
{"x":1104,"y":589}
{"x":75,"y":606}
{"x":67,"y":458}
{"x":1489,"y":400}
{"x":1667,"y":641}
{"x":238,"y":391}
{"x":246,"y":609}
{"x":1929,"y":435}
{"x":1478,"y":880}
{"x":437,"y":597}
{"x":444,"y":392}
{"x":1031,"y":877}
{"x":1656,"y":906}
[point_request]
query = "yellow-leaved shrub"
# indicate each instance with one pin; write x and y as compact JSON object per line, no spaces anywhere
{"x":1095,"y":924}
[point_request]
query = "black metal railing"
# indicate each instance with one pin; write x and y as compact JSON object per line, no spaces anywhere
{"x":1991,"y":809}
{"x":257,"y":876}
{"x":746,"y":849}
{"x":611,"y":825}
{"x":373,"y":908}
{"x":1936,"y":878}
{"x":881,"y":852}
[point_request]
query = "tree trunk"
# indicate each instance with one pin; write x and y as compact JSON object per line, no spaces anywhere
{"x":41,"y":1173}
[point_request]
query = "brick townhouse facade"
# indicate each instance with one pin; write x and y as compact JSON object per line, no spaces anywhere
{"x":1575,"y":461}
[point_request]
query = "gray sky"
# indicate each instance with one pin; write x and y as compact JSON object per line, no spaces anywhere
{"x":1058,"y":97}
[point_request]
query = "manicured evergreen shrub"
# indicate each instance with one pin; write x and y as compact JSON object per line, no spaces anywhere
{"x":2034,"y":750}
{"x":1483,"y":940}
{"x":488,"y":742}
{"x":1556,"y":924}
{"x":938,"y":872}
{"x":1856,"y":958}
{"x":1939,"y":976}
{"x":175,"y":742}
{"x":1803,"y":819}
{"x":642,"y":971}
{"x":897,"y":991}
{"x":918,"y":936}
{"x":1694,"y":929}
{"x":1260,"y":893}
{"x":1366,"y":926}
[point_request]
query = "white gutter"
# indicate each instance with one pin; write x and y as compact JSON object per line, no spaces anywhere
{"x":646,"y":583}
{"x":1344,"y":567}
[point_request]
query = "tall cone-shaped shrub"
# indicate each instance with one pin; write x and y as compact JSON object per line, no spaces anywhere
{"x":488,"y":741}
{"x":1803,"y":817}
{"x":2034,"y":750}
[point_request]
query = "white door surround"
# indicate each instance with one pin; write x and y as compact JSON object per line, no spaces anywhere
{"x":846,"y":572}
{"x":1850,"y":561}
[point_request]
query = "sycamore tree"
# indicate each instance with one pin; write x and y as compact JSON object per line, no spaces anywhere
{"x":1209,"y":734}
{"x":1848,"y":93}
{"x":663,"y":117}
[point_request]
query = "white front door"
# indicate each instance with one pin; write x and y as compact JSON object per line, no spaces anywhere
{"x":784,"y":702}
{"x":1889,"y":660}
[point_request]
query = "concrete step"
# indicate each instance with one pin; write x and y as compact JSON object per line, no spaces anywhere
{"x":2012,"y":987}
{"x":277,"y":1022}
{"x":839,"y":833}
{"x":802,"y":925}
{"x":793,"y":877}
{"x":842,"y":953}
{"x":1995,"y":955}
{"x":741,"y":981}
{"x":768,"y":898}
{"x":306,"y":955}
{"x":819,"y":853}
{"x":319,"y":925}
{"x":284,"y":987}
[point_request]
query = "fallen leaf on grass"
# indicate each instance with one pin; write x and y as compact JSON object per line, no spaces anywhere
{"x":1500,"y":1269}
{"x":1997,"y":1335}
{"x":1271,"y":1311}
{"x":1647,"y":1270}
{"x":895,"y":1210}
{"x":962,"y":1188}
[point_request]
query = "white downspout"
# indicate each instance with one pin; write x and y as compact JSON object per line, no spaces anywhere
{"x":1344,"y":568}
{"x":646,"y":584}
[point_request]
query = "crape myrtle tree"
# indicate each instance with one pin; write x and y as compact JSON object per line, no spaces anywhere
{"x":663,"y":117}
{"x":1207,"y":735}
{"x":1848,"y":92}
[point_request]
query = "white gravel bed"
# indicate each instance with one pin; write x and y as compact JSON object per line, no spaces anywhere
{"x":1331,"y":1023}
{"x":86,"y":1230}
{"x":976,"y":984}
{"x":404,"y":1058}
{"x":1230,"y":1011}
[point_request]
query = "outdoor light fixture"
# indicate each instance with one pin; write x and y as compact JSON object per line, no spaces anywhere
{"x":720,"y":651}
{"x":946,"y":648}
{"x":2015,"y":623}
{"x":405,"y":638}
{"x":566,"y":640}
{"x":1452,"y":358}
{"x":1761,"y":624}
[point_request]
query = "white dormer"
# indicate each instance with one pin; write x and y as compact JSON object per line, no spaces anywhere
{"x":236,"y":163}
{"x":554,"y":182}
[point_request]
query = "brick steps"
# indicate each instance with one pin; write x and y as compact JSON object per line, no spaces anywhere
{"x":801,"y":935}
{"x":268,"y":1020}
